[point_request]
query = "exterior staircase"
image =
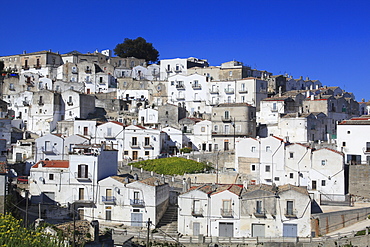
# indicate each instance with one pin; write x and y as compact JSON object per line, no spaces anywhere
{"x":168,"y":224}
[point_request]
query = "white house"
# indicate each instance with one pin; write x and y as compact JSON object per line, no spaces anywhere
{"x":170,"y":67}
{"x":130,"y":200}
{"x":148,"y":116}
{"x":77,"y":105}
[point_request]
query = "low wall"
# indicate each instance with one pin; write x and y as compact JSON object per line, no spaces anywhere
{"x":325,"y":223}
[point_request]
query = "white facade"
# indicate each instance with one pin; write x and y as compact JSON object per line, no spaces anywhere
{"x":201,"y":136}
{"x":148,"y":116}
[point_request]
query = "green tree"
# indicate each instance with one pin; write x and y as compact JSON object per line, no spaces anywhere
{"x":138,"y":48}
{"x":1,"y":65}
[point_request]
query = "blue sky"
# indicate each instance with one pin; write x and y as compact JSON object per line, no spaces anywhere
{"x":321,"y":39}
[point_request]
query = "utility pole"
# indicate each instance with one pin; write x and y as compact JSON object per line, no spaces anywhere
{"x":26,"y":220}
{"x":147,"y":234}
{"x":74,"y":226}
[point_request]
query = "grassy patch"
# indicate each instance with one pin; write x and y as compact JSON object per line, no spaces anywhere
{"x":172,"y":166}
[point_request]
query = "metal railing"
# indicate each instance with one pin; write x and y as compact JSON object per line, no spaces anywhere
{"x":137,"y":202}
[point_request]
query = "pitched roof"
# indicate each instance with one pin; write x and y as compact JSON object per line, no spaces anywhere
{"x":52,"y":164}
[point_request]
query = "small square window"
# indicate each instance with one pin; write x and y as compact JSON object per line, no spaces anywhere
{"x":348,"y":132}
{"x":268,"y":149}
{"x":343,"y":144}
{"x":267,"y":168}
{"x":291,"y":155}
{"x":323,"y":162}
{"x":146,"y":153}
{"x":51,"y":176}
{"x":253,"y":149}
{"x":276,"y":178}
{"x":291,"y":175}
{"x":323,"y":182}
{"x":125,"y":152}
{"x":203,"y":129}
{"x":253,"y":167}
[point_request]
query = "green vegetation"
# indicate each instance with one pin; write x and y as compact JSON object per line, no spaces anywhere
{"x":172,"y":166}
{"x":13,"y":234}
{"x":138,"y":48}
{"x":185,"y":150}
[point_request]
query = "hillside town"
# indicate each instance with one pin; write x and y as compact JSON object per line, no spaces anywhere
{"x":290,"y":157}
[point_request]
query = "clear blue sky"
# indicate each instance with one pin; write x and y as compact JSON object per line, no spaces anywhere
{"x":323,"y":39}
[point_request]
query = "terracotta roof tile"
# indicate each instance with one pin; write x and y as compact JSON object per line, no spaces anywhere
{"x":52,"y":164}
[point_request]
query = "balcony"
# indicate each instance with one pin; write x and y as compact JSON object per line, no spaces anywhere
{"x":83,"y":177}
{"x":74,"y":72}
{"x":196,"y":86}
{"x":26,"y":103}
{"x":108,"y":199}
{"x":260,"y":213}
{"x":180,"y":97}
{"x":213,"y":90}
{"x":197,"y":212}
{"x":37,"y":66}
{"x":109,"y":136}
{"x":197,"y":99}
{"x":88,"y":81}
{"x":180,"y":87}
{"x":88,"y":71}
{"x":215,"y":102}
{"x":229,"y":90}
{"x":25,"y":67}
{"x":134,"y":145}
{"x":243,"y":91}
{"x":70,"y":103}
{"x":291,"y":213}
{"x":226,"y":213}
{"x":40,"y":102}
{"x":366,"y":150}
{"x":148,"y":145}
{"x":226,"y":119}
{"x":137,"y":203}
{"x":87,"y":201}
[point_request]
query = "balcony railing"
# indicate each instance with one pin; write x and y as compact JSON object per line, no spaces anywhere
{"x":180,"y":97}
{"x":25,"y":67}
{"x":70,"y":103}
{"x":137,"y":203}
{"x":180,"y":86}
{"x":134,"y":144}
{"x":197,"y":86}
{"x":197,"y":99}
{"x":216,"y":102}
{"x":26,"y":103}
{"x":226,"y":119}
{"x":148,"y":145}
{"x":83,"y":177}
{"x":198,"y":212}
{"x":88,"y":71}
{"x":37,"y":66}
{"x":243,"y":91}
{"x":108,"y":199}
{"x":226,"y":213}
{"x":74,"y":72}
{"x":213,"y":90}
{"x":40,"y":102}
{"x":260,"y":213}
{"x":229,"y":90}
{"x":291,"y":213}
{"x":87,"y":200}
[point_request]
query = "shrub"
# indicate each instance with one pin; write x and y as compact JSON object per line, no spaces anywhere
{"x":172,"y":166}
{"x":186,"y":150}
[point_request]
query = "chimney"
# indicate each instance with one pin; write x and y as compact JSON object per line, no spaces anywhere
{"x":317,"y":86}
{"x":307,"y":78}
{"x":280,"y":91}
{"x":301,"y":77}
{"x":311,"y":87}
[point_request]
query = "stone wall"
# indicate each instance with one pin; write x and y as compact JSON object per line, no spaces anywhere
{"x":324,"y":223}
{"x":359,"y":180}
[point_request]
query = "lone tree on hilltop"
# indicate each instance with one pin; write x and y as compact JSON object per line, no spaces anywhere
{"x":138,"y":48}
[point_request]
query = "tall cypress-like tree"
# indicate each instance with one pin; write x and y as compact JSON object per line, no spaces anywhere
{"x":138,"y":48}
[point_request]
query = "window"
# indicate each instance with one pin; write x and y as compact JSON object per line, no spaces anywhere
{"x":82,"y":171}
{"x":203,"y":129}
{"x":289,"y":207}
{"x":348,"y":132}
{"x":267,"y":169}
{"x":216,"y":128}
{"x":268,"y":149}
{"x":291,"y":175}
{"x":243,"y":99}
{"x":291,"y":155}
{"x":108,"y":213}
{"x":227,"y":114}
{"x":259,"y":207}
{"x":323,"y":162}
{"x":253,"y":167}
{"x":227,"y":129}
{"x":146,"y":153}
{"x":230,"y":73}
{"x":147,"y":141}
{"x":253,"y":149}
{"x":276,"y":178}
{"x":343,"y":144}
{"x":136,"y":197}
{"x":51,"y":176}
{"x":216,"y":147}
{"x":323,"y":182}
{"x":125,"y":152}
{"x":134,"y":141}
